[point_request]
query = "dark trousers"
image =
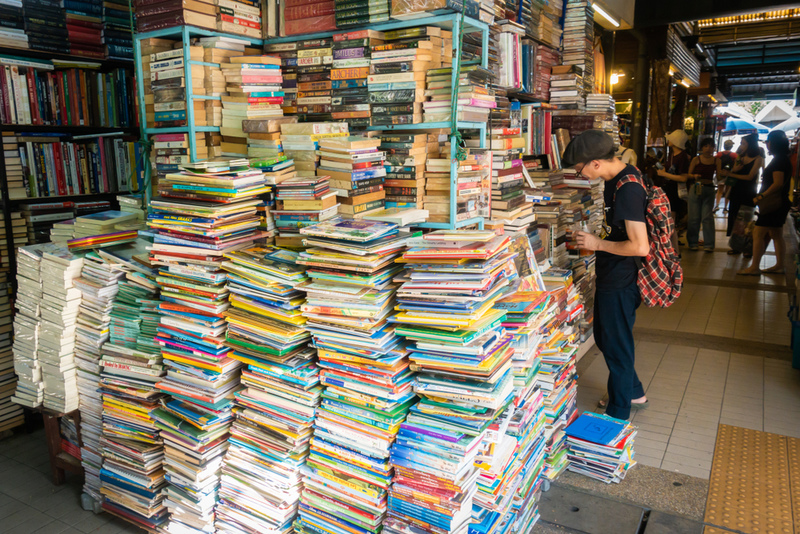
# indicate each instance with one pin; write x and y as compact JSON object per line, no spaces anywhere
{"x":614,"y":315}
{"x":733,"y":211}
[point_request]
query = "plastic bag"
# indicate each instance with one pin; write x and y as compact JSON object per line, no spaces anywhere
{"x":741,"y":239}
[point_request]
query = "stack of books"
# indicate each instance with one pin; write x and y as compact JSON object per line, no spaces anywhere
{"x":509,"y":203}
{"x":253,"y":84}
{"x":45,"y":27}
{"x":98,"y":284}
{"x":240,"y":17}
{"x":361,"y":13}
{"x":170,"y":151}
{"x":219,"y":50}
{"x":16,"y":176}
{"x":19,"y":236}
{"x":314,"y":61}
{"x":158,"y":14}
{"x":10,"y":413}
{"x":59,"y":313}
{"x":132,"y":476}
{"x":300,"y":142}
{"x":473,"y":186}
{"x":288,"y":54}
{"x":264,"y":145}
{"x":566,"y":88}
{"x":302,"y":201}
{"x":13,"y":33}
{"x":303,"y":16}
{"x":117,"y":35}
{"x":446,"y":315}
{"x":349,"y":92}
{"x":357,"y":164}
{"x":29,"y":387}
{"x":261,"y":475}
{"x":365,"y":373}
{"x":601,"y":447}
{"x":599,"y":103}
{"x":85,"y":28}
{"x":474,"y":100}
{"x":168,"y":85}
{"x":406,"y":155}
{"x":104,"y":229}
{"x":578,"y":42}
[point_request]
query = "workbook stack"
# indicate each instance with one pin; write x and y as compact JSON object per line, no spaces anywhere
{"x":99,"y":284}
{"x":601,"y":447}
{"x":261,"y":475}
{"x":365,"y":373}
{"x":253,"y":84}
{"x":201,"y":378}
{"x":446,"y":314}
{"x":349,"y":91}
{"x":356,"y":164}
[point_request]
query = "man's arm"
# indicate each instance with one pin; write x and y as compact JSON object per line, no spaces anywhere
{"x":636,"y":245}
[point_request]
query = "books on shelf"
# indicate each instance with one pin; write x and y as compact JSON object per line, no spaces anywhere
{"x":349,"y":91}
{"x":355,"y":164}
{"x":11,"y":414}
{"x":313,"y":73}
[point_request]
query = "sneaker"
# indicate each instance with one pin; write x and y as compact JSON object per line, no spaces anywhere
{"x":694,"y":247}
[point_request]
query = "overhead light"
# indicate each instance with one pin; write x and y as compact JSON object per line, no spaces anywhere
{"x":683,"y":83}
{"x":605,"y":15}
{"x":671,"y":73}
{"x":616,"y":76}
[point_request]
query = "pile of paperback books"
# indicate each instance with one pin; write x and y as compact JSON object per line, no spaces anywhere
{"x":364,"y":373}
{"x":269,"y":442}
{"x":462,"y":357}
{"x":601,"y":447}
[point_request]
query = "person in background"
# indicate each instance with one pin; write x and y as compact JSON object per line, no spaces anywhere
{"x":776,"y":181}
{"x":677,"y":171}
{"x":622,"y":244}
{"x":727,"y":157}
{"x":703,"y":169}
{"x":745,"y":172}
{"x":625,"y":153}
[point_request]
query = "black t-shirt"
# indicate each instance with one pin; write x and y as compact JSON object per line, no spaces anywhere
{"x":778,"y":164}
{"x":617,"y":272}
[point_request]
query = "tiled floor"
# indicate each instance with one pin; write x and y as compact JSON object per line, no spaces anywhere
{"x":31,"y":504}
{"x":692,"y":389}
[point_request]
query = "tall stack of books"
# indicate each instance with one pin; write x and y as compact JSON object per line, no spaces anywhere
{"x":261,"y":474}
{"x":59,"y":314}
{"x":509,"y":203}
{"x":301,"y":141}
{"x":351,"y":61}
{"x":29,"y":387}
{"x":19,"y":237}
{"x":601,"y":447}
{"x":264,"y":145}
{"x":406,"y":155}
{"x":454,"y":335}
{"x":13,"y":33}
{"x":288,"y":54}
{"x":301,"y":201}
{"x":314,"y":61}
{"x":168,"y":84}
{"x":567,"y":88}
{"x":201,"y":377}
{"x":474,"y":100}
{"x":219,"y":50}
{"x":472,"y":190}
{"x":578,"y":43}
{"x":99,"y":283}
{"x":365,"y":373}
{"x":158,"y":14}
{"x":361,"y":12}
{"x":45,"y":27}
{"x":132,"y":476}
{"x":240,"y":17}
{"x":357,"y":163}
{"x":85,"y":28}
{"x":117,"y":35}
{"x":248,"y":78}
{"x":10,"y":413}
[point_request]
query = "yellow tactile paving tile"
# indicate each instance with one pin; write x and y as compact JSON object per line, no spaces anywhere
{"x":749,"y":489}
{"x":794,"y":476}
{"x":715,"y":530}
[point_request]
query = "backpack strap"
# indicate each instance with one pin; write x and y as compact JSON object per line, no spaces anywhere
{"x":632,"y":178}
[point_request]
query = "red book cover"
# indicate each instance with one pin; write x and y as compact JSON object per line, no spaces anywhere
{"x":310,"y":25}
{"x":72,"y":88}
{"x":261,"y":79}
{"x":309,"y":10}
{"x":295,"y":3}
{"x":84,"y":97}
{"x":36,"y":117}
{"x":62,"y":100}
{"x":240,"y":22}
{"x":59,"y":165}
{"x":5,"y":110}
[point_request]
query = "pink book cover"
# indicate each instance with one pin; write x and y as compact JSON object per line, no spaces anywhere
{"x":169,"y":138}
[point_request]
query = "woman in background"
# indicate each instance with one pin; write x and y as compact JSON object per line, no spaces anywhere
{"x":703,"y":169}
{"x":677,"y":170}
{"x":745,"y":172}
{"x":776,"y":182}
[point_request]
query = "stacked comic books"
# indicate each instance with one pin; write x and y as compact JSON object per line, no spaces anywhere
{"x":472,"y":186}
{"x":577,"y":45}
{"x":301,"y":141}
{"x":349,"y":91}
{"x":462,"y":357}
{"x":314,"y":61}
{"x":302,"y":201}
{"x":355,"y":165}
{"x":276,"y":170}
{"x":261,"y":475}
{"x":351,"y":13}
{"x":219,"y":216}
{"x":254,"y":84}
{"x":98,"y":284}
{"x":364,"y":373}
{"x":168,"y":84}
{"x":240,"y":17}
{"x":132,"y":475}
{"x":29,"y":387}
{"x":397,"y":72}
{"x":601,"y":447}
{"x":474,"y":100}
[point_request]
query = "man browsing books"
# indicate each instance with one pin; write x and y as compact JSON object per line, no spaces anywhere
{"x":622,"y":240}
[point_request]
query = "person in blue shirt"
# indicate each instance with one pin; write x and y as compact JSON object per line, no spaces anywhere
{"x":619,"y":248}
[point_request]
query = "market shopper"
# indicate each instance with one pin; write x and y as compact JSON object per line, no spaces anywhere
{"x":676,"y":173}
{"x":727,"y":157}
{"x":773,"y":205}
{"x":623,"y":241}
{"x":702,"y":192}
{"x":745,"y":173}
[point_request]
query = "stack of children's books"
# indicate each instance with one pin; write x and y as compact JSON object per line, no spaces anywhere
{"x":601,"y":447}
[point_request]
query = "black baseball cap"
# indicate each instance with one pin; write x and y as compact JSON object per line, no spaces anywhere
{"x":588,"y":146}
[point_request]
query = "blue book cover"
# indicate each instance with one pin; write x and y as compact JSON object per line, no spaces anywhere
{"x":596,"y":429}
